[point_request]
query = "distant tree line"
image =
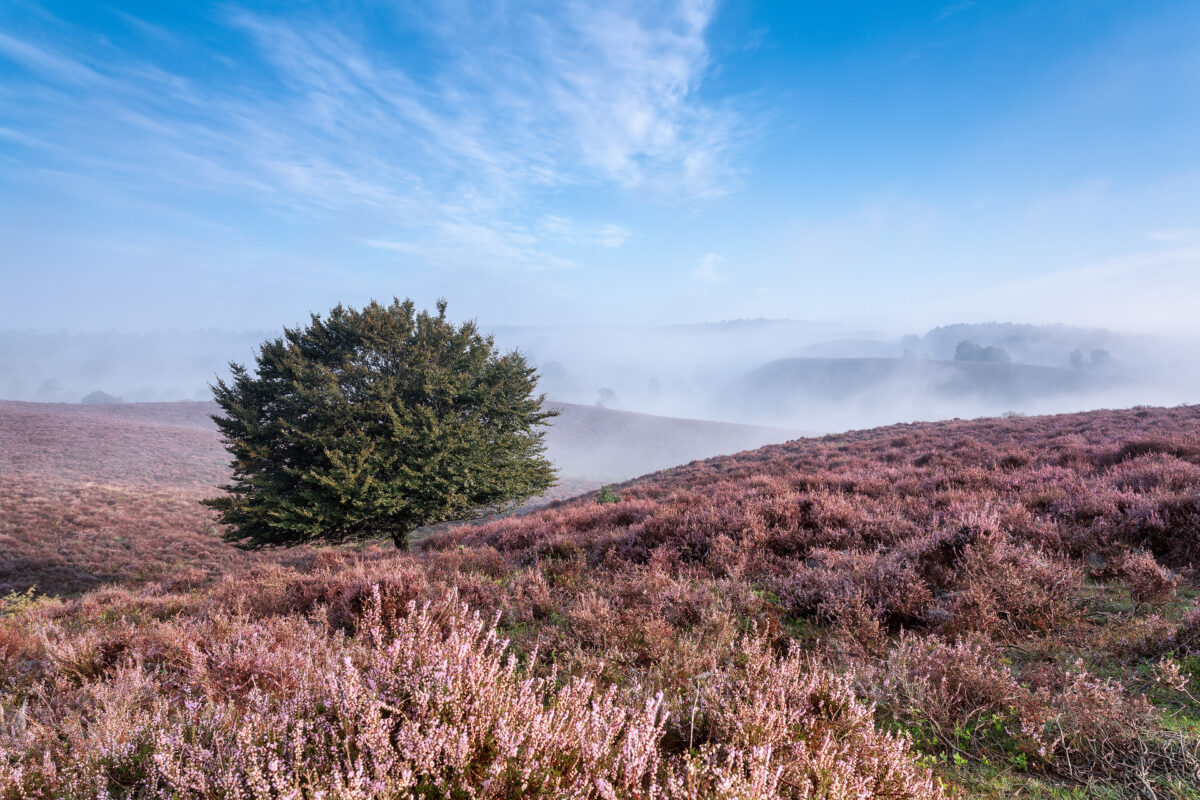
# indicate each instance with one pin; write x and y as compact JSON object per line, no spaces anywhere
{"x":969,"y":351}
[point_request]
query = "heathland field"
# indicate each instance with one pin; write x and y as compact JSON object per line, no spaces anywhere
{"x":990,"y":608}
{"x":96,"y":494}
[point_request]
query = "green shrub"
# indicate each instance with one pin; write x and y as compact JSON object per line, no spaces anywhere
{"x":607,"y":495}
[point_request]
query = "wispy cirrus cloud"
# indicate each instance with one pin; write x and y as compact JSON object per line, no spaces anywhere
{"x":449,"y":153}
{"x":950,"y":9}
{"x":46,"y":62}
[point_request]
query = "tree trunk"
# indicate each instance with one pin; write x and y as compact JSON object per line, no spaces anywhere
{"x":400,"y":539}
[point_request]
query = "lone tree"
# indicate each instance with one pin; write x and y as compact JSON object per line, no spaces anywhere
{"x":369,"y":424}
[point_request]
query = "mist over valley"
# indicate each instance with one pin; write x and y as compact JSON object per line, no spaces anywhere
{"x":799,"y":378}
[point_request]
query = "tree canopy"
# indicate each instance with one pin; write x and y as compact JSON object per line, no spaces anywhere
{"x":370,"y":424}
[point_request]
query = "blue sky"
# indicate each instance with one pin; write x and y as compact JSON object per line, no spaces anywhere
{"x":898,"y":165}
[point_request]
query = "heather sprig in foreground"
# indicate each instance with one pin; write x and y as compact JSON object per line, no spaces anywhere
{"x":428,"y":705}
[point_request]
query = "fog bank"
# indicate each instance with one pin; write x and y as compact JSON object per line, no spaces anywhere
{"x":785,"y":375}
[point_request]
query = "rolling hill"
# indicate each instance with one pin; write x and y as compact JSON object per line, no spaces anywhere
{"x":91,"y":494}
{"x":839,"y":379}
{"x":839,"y":393}
{"x":617,"y":445}
{"x":995,"y":608}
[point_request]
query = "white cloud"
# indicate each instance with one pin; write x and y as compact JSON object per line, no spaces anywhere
{"x":46,"y":63}
{"x":567,"y":231}
{"x":626,"y":88}
{"x":449,"y":162}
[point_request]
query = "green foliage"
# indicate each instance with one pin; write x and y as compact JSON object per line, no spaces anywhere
{"x":15,"y":602}
{"x":607,"y":495}
{"x":372,"y":423}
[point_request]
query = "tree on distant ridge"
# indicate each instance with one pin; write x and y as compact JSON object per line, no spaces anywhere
{"x":370,"y":424}
{"x":100,"y":398}
{"x":969,"y":351}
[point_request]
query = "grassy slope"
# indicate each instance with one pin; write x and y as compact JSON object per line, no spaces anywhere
{"x":915,"y":386}
{"x":91,"y":494}
{"x":1016,"y":596}
{"x":94,"y":494}
{"x":1007,"y":590}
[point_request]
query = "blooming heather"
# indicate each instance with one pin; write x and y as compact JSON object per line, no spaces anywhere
{"x":905,"y":612}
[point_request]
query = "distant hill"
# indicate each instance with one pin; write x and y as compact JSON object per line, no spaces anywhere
{"x":852,"y":392}
{"x":841,"y":378}
{"x":851,"y":348}
{"x":599,"y":442}
{"x":1045,"y":345}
